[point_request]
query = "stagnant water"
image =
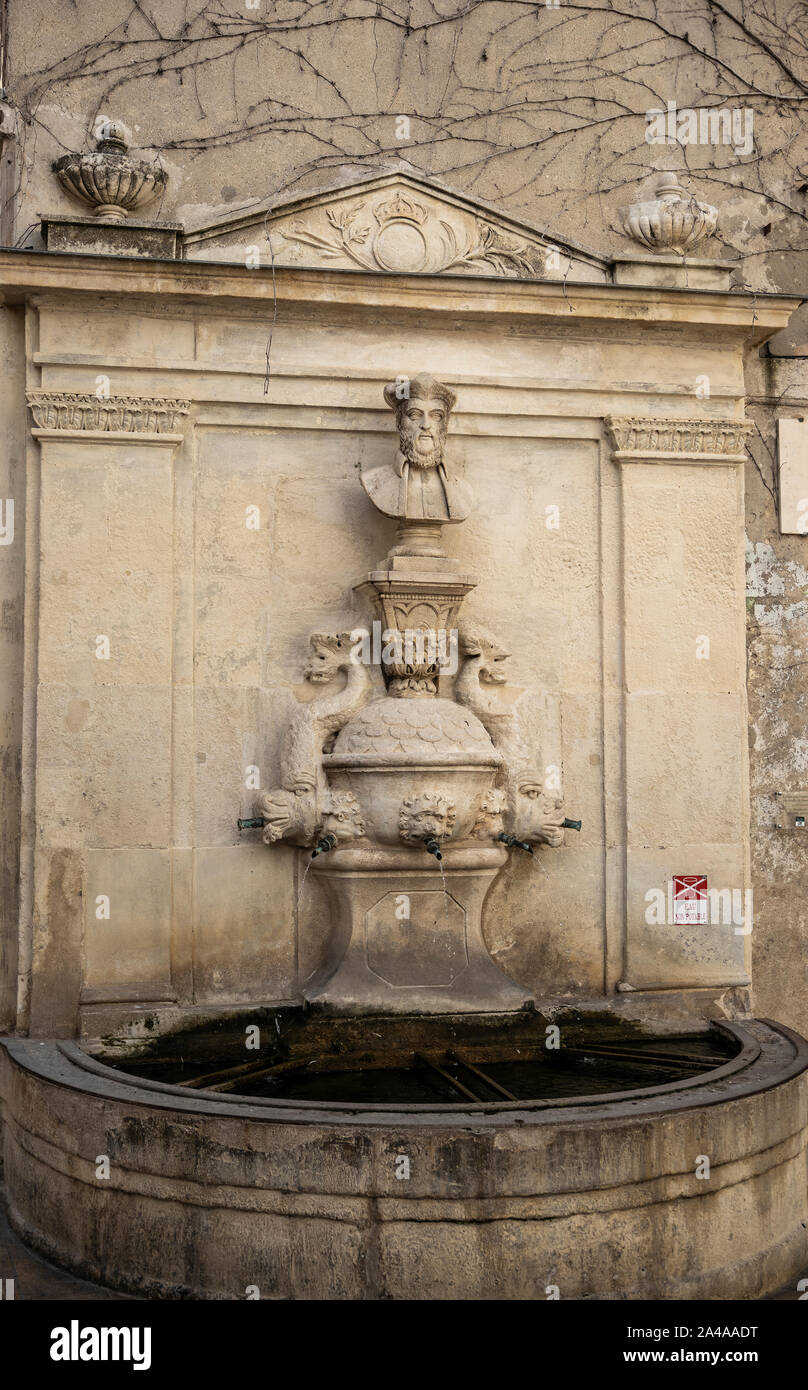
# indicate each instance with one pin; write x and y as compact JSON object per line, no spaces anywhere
{"x":425,"y":1061}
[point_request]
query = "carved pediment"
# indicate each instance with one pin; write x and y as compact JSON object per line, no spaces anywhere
{"x":393,"y":224}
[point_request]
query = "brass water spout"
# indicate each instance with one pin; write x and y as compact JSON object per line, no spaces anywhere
{"x":433,"y":846}
{"x":324,"y":845}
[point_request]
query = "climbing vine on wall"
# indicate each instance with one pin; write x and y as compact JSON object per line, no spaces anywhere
{"x":541,"y":108}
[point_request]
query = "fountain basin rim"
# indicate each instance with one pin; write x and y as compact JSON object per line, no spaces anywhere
{"x":309,"y":1191}
{"x":464,"y":856}
{"x":770,"y":1055}
{"x":395,"y":762}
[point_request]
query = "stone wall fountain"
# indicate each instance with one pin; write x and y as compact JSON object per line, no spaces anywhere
{"x":410,"y":793}
{"x":351,"y":1100}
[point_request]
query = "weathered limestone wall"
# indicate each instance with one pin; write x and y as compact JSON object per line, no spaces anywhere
{"x":777,"y":625}
{"x":12,"y":597}
{"x":146,"y":899}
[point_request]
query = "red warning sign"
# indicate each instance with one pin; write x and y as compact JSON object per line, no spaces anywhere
{"x":689,"y":899}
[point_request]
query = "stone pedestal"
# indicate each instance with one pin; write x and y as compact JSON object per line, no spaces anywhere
{"x":408,"y":938}
{"x":672,"y":272}
{"x":160,"y":240}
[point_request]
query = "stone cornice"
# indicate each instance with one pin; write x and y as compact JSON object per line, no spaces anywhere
{"x":752,"y":318}
{"x":650,"y":439}
{"x":61,"y":413}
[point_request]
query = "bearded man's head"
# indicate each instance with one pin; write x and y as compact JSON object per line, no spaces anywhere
{"x":423,"y":406}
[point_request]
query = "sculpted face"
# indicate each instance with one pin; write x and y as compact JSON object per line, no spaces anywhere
{"x":423,"y":423}
{"x":425,"y":823}
{"x":342,"y":816}
{"x":428,"y":814}
{"x":328,"y":654}
{"x":538,"y":816}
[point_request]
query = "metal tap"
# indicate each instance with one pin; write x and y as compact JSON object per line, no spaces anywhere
{"x":324,"y":845}
{"x":512,"y":841}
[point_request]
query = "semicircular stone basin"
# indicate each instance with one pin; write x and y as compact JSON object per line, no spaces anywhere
{"x":416,"y":1159}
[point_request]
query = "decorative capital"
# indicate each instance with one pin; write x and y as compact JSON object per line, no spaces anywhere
{"x":647,"y":439}
{"x":112,"y":182}
{"x":672,"y":220}
{"x":74,"y":412}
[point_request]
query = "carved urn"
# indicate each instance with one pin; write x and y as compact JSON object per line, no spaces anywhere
{"x":406,"y":932}
{"x":672,"y":220}
{"x":108,"y":178}
{"x":417,"y":768}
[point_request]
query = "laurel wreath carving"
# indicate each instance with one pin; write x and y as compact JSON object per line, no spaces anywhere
{"x":489,"y":249}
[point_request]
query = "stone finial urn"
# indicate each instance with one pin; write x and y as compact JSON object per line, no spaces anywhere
{"x":672,"y":220}
{"x":108,"y":178}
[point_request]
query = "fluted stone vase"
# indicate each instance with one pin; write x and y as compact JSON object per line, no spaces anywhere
{"x":109,"y":179}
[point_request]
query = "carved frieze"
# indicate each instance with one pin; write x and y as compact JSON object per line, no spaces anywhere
{"x":641,"y":436}
{"x":72,"y":410}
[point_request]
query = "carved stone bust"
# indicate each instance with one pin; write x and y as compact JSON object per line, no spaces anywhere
{"x":417,"y":487}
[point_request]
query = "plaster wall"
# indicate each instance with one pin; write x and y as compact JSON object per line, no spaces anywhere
{"x":540,"y":111}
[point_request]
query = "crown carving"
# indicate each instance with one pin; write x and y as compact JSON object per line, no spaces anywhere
{"x":400,"y":209}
